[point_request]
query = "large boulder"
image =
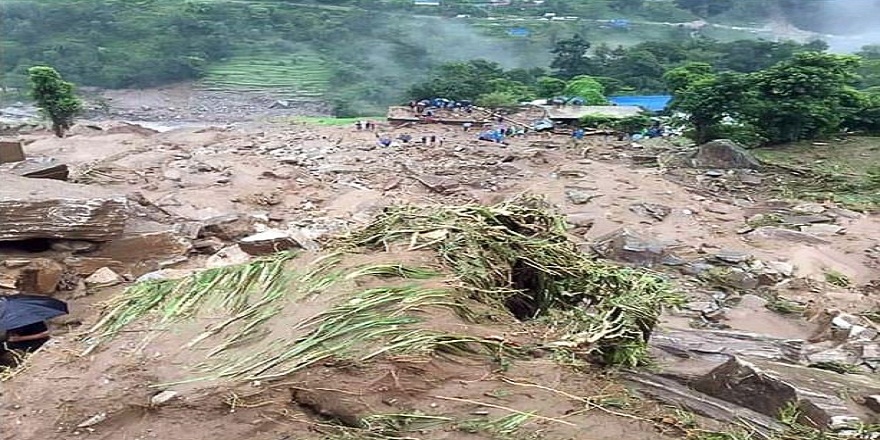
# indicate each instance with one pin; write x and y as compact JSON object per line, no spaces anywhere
{"x":769,"y":387}
{"x":33,"y":209}
{"x":724,"y":154}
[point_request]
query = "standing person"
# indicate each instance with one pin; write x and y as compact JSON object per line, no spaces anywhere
{"x":358,"y":125}
{"x":466,"y":126}
{"x":433,"y":139}
{"x":424,"y":140}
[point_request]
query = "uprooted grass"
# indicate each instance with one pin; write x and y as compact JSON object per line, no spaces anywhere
{"x":516,"y":256}
{"x":511,"y":259}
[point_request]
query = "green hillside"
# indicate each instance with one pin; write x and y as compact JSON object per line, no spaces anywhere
{"x":362,"y":53}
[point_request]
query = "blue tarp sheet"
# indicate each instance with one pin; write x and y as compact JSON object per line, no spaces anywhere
{"x":654,"y":103}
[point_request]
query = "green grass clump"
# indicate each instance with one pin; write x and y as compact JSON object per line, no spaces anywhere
{"x":517,"y":256}
{"x":504,"y":261}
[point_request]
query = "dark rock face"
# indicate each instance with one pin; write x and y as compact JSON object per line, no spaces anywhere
{"x":725,"y":154}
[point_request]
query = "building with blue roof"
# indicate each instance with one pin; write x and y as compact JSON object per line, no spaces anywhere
{"x":653,"y":103}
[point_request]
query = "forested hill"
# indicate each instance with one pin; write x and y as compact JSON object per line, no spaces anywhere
{"x":358,"y":53}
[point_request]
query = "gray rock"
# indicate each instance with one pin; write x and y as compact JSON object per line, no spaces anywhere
{"x":750,"y":179}
{"x":774,"y":233}
{"x":724,"y":154}
{"x":228,"y":227}
{"x":733,"y":257}
{"x":810,"y":208}
{"x":715,"y":173}
{"x":768,"y":392}
{"x":680,"y":395}
{"x":822,"y":229}
{"x":802,"y":220}
{"x":653,"y":210}
{"x":753,"y":302}
{"x":163,"y":398}
{"x":732,"y":277}
{"x":581,"y":220}
{"x":781,"y":267}
{"x":267,"y":242}
{"x":626,"y":245}
{"x":696,"y":268}
{"x":104,"y":277}
{"x":579,"y":196}
{"x":173,"y":175}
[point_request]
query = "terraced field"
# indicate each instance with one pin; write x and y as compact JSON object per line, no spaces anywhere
{"x":294,"y":75}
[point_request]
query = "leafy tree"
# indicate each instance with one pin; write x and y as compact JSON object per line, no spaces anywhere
{"x":805,"y":97}
{"x":54,"y":97}
{"x":683,"y":77}
{"x":588,"y":88}
{"x":710,"y":99}
{"x":705,"y":8}
{"x":497,"y":99}
{"x":571,"y":57}
{"x":549,"y":87}
{"x":459,"y":81}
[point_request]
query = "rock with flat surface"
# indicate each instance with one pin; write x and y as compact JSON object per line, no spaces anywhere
{"x":626,"y":245}
{"x":85,"y":266}
{"x":768,"y":388}
{"x":41,"y":276}
{"x":49,"y":209}
{"x":653,"y":210}
{"x":725,"y":154}
{"x":774,"y":233}
{"x":680,"y":396}
{"x":823,"y":229}
{"x":579,"y":196}
{"x":228,"y":256}
{"x":228,"y":227}
{"x":146,"y":246}
{"x":268,"y":242}
{"x":104,"y":277}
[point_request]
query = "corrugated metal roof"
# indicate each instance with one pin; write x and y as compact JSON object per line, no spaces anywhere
{"x":579,"y":111}
{"x":654,"y":103}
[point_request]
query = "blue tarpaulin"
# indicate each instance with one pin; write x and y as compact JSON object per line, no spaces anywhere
{"x":654,"y":103}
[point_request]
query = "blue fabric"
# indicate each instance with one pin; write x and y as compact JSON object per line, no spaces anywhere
{"x":21,"y":310}
{"x":654,"y":103}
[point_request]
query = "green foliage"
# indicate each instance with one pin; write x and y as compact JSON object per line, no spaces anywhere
{"x":805,"y":97}
{"x":592,"y":91}
{"x":497,"y":100}
{"x":571,"y":57}
{"x":705,"y":8}
{"x":628,"y":125}
{"x":708,"y":99}
{"x":54,"y":97}
{"x":549,"y":87}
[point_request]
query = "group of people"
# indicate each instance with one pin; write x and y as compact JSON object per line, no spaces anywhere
{"x":500,"y":133}
{"x":405,"y":138}
{"x":426,"y":107}
{"x":365,"y":125}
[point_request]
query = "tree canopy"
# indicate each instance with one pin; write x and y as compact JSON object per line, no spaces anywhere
{"x":54,"y":97}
